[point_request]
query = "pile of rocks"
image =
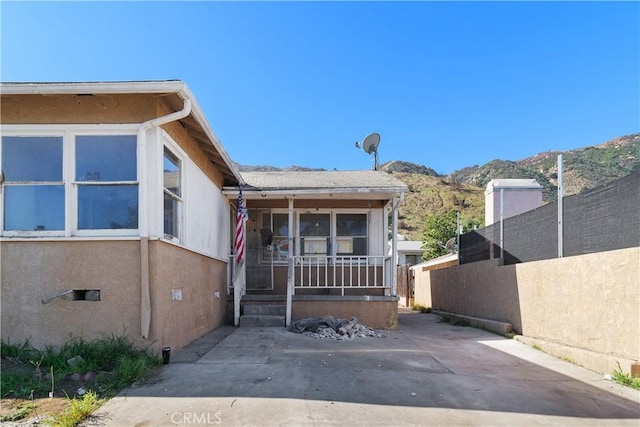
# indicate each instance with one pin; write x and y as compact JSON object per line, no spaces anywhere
{"x":333,"y":329}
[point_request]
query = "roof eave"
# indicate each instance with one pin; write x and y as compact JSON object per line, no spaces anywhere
{"x":306,"y":193}
{"x":92,"y":87}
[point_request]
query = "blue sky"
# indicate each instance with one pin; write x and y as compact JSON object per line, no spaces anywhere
{"x":445,"y":84}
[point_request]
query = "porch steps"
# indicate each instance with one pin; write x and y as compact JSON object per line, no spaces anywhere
{"x":261,"y":311}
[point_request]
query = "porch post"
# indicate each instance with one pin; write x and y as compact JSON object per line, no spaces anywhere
{"x":394,"y":249}
{"x":290,"y":272}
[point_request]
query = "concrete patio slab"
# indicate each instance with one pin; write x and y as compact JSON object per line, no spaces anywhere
{"x":425,"y":373}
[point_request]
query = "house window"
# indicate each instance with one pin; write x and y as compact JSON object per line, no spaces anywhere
{"x":106,"y":176}
{"x":275,"y":236}
{"x":315,"y":234}
{"x":172,"y":195}
{"x":68,"y":182}
{"x":413,"y":259}
{"x":351,"y":234}
{"x":318,"y":234}
{"x":34,"y":198}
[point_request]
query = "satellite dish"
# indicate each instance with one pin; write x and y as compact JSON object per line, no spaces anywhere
{"x":370,"y":145}
{"x":450,"y":246}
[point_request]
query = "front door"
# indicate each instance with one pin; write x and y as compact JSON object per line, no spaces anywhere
{"x":259,"y":254}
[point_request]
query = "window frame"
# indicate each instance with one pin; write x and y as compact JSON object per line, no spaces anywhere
{"x":3,"y":184}
{"x":68,"y":133}
{"x":75,"y":184}
{"x":336,"y":236}
{"x":170,"y":145}
{"x":271,"y":212}
{"x":333,"y":215}
{"x":329,"y":239}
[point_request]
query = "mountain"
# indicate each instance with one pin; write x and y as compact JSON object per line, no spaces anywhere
{"x":436,"y":194}
{"x":267,"y":168}
{"x":479,"y":176}
{"x":583,"y":168}
{"x":400,"y":166}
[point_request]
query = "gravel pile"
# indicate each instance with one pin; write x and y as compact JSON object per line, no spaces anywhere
{"x":329,"y":328}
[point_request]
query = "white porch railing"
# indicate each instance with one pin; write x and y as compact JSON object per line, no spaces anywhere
{"x":321,"y":272}
{"x":337,"y":272}
{"x":341,"y":272}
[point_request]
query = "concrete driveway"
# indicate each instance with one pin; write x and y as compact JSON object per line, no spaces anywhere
{"x":425,"y":373}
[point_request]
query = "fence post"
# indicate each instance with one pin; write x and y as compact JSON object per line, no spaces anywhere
{"x":560,"y":208}
{"x":502,"y":224}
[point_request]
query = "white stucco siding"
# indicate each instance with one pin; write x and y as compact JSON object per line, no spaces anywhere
{"x":377,"y":234}
{"x":206,"y":215}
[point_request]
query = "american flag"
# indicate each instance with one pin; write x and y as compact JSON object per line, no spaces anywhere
{"x":240,"y":217}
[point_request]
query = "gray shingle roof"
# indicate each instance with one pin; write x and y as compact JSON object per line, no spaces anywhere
{"x":323,"y":180}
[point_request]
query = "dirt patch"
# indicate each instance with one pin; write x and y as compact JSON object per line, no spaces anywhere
{"x":34,"y":410}
{"x":34,"y":402}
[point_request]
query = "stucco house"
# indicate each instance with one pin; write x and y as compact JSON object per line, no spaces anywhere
{"x":409,"y":251}
{"x":118,"y":216}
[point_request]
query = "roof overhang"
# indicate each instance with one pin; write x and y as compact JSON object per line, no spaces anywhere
{"x":319,"y":185}
{"x":309,"y":194}
{"x":195,"y":123}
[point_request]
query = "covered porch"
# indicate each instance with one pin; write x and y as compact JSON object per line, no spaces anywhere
{"x":319,"y":243}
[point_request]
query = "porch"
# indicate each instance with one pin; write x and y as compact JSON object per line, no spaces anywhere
{"x":318,"y":243}
{"x":342,"y":287}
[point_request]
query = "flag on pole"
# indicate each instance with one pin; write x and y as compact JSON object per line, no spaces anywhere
{"x":240,"y":219}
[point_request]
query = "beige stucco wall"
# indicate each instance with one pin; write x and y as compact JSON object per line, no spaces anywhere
{"x":374,"y":314}
{"x":176,"y":323}
{"x":592,"y":301}
{"x":589,"y":302}
{"x":32,"y":271}
{"x":422,"y":289}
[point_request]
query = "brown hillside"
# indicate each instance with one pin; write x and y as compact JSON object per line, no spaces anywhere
{"x":429,"y":194}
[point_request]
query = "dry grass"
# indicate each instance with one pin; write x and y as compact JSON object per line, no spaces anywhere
{"x":429,"y":195}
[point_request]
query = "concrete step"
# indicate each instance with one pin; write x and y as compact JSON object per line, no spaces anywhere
{"x":261,"y":320}
{"x":265,"y":309}
{"x":264,"y":298}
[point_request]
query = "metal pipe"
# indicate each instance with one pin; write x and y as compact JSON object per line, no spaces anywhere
{"x":560,"y":209}
{"x":60,"y":295}
{"x":502,"y":224}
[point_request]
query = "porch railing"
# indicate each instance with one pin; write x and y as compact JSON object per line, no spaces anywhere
{"x":341,"y":272}
{"x":321,"y":272}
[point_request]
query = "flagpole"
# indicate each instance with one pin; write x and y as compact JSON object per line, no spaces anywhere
{"x":239,"y":279}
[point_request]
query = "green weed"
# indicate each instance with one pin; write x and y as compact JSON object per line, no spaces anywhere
{"x":19,"y":352}
{"x":421,"y":308}
{"x":113,"y":355}
{"x":77,"y":410}
{"x":625,"y":379}
{"x":21,"y":383}
{"x":22,"y":411}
